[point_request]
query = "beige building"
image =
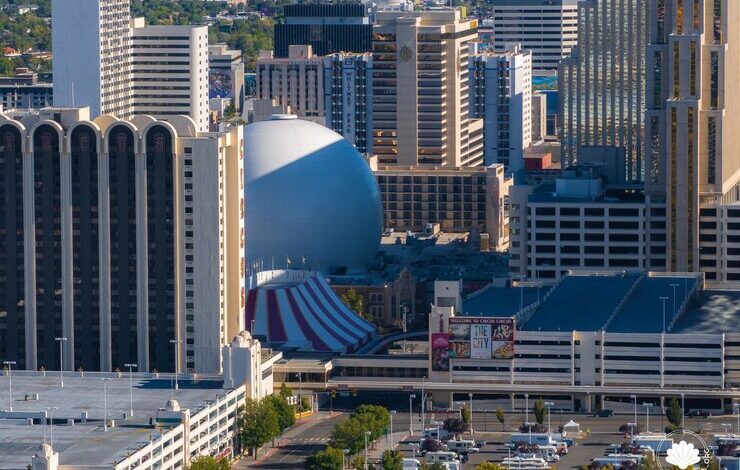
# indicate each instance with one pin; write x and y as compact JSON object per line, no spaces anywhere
{"x":296,"y":82}
{"x":420,"y":89}
{"x":692,"y":131}
{"x":460,"y":199}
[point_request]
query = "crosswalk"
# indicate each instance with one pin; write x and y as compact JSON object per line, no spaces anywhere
{"x":310,"y":440}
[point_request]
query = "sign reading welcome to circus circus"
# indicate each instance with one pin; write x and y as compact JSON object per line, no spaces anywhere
{"x":481,"y":337}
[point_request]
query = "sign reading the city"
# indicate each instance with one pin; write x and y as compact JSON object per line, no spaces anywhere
{"x":482,"y":337}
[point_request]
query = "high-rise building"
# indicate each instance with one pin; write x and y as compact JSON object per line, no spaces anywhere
{"x":602,"y":82}
{"x":170,"y":71}
{"x":91,"y":40}
{"x":106,"y":61}
{"x":548,"y":28}
{"x":420,"y":89}
{"x":348,"y":94}
{"x":24,"y":90}
{"x":692,"y":131}
{"x":501,"y":95}
{"x":124,"y":237}
{"x":226,"y":74}
{"x":327,"y":27}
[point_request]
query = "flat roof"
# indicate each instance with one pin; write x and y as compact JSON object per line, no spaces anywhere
{"x":717,"y":311}
{"x":85,"y":443}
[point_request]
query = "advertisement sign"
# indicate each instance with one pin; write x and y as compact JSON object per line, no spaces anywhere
{"x":348,"y":105}
{"x":440,"y":352}
{"x":482,"y":337}
{"x":220,"y":84}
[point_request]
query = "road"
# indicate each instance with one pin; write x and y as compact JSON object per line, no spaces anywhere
{"x":297,"y":444}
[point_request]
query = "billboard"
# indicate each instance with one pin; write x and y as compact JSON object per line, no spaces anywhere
{"x":440,"y":352}
{"x":220,"y":83}
{"x":482,"y":337}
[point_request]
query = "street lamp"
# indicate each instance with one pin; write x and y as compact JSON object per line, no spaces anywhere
{"x":344,"y":457}
{"x":391,"y":433}
{"x":548,"y":404}
{"x":647,"y":415}
{"x":131,"y":386}
{"x":663,"y":298}
{"x":367,"y":433}
{"x":737,"y":415}
{"x":526,"y":407}
{"x":61,"y":360}
{"x":470,"y":396}
{"x":10,"y":365}
{"x":105,"y":403}
{"x":634,"y":400}
{"x":683,"y":409}
{"x":51,"y":410}
{"x":176,"y":342}
{"x":411,"y":414}
{"x":726,"y":425}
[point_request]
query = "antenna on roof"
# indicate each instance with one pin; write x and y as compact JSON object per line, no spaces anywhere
{"x":73,"y":94}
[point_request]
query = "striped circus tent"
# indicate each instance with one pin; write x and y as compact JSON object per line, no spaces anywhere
{"x":298,"y":309}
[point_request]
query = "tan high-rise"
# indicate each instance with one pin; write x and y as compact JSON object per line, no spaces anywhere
{"x":420,"y":89}
{"x":692,"y":126}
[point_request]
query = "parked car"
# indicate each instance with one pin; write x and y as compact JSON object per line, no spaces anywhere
{"x":604,"y":413}
{"x":698,"y":414}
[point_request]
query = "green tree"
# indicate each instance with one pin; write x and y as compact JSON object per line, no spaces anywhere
{"x":674,"y":412}
{"x":355,"y":302}
{"x":284,"y":412}
{"x":539,"y":411}
{"x":392,"y":460}
{"x":257,"y":425}
{"x":434,"y":466}
{"x":490,"y":466}
{"x":209,"y":463}
{"x":285,"y":391}
{"x":348,"y":434}
{"x":648,"y":463}
{"x":501,"y":417}
{"x":465,"y":414}
{"x":329,"y":459}
{"x":305,"y":403}
{"x":455,"y":425}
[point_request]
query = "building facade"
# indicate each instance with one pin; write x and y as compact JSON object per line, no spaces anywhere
{"x":226,"y":75}
{"x":547,"y":28}
{"x":691,"y":138}
{"x":170,"y":71}
{"x":501,"y":95}
{"x":296,"y":81}
{"x":92,"y":56}
{"x":459,"y":199}
{"x":24,"y":90}
{"x":327,"y":28}
{"x":420,"y":89}
{"x":601,"y":84}
{"x":135,"y":259}
{"x":348,"y":98}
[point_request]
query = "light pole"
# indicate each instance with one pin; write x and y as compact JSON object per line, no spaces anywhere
{"x":390,"y":436}
{"x":632,"y":429}
{"x":51,"y":410}
{"x":548,"y":404}
{"x":10,"y":365}
{"x":737,"y":415}
{"x":105,"y":403}
{"x":647,"y":416}
{"x":344,"y":457}
{"x":176,"y":342}
{"x":131,"y":386}
{"x":683,"y":411}
{"x":411,"y":414}
{"x":726,"y":426}
{"x":470,"y":396}
{"x":367,"y":433}
{"x":663,"y":298}
{"x":526,"y":407}
{"x":634,"y":400}
{"x":61,"y":360}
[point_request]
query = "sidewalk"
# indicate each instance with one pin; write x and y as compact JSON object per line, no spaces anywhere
{"x":383,"y":444}
{"x":267,"y":450}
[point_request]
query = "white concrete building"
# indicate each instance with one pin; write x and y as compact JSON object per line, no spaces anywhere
{"x":146,"y":264}
{"x":246,"y":362}
{"x":92,"y":56}
{"x":501,"y":95}
{"x":547,"y":28}
{"x":170,"y":71}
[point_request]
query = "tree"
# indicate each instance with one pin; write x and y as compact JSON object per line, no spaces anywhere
{"x":674,"y":412}
{"x":648,"y":462}
{"x":257,"y":424}
{"x":209,"y":463}
{"x":465,"y":414}
{"x":455,"y":426}
{"x":284,"y":412}
{"x":329,"y":459}
{"x":434,"y":466}
{"x":532,"y":427}
{"x":354,"y":302}
{"x":305,"y":403}
{"x":627,"y":429}
{"x":348,"y":434}
{"x":392,"y":460}
{"x":432,"y":445}
{"x":490,"y":466}
{"x":286,"y":391}
{"x":500,"y":417}
{"x":539,"y":411}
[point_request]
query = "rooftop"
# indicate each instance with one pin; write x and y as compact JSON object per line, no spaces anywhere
{"x":715,"y":311}
{"x":84,"y":442}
